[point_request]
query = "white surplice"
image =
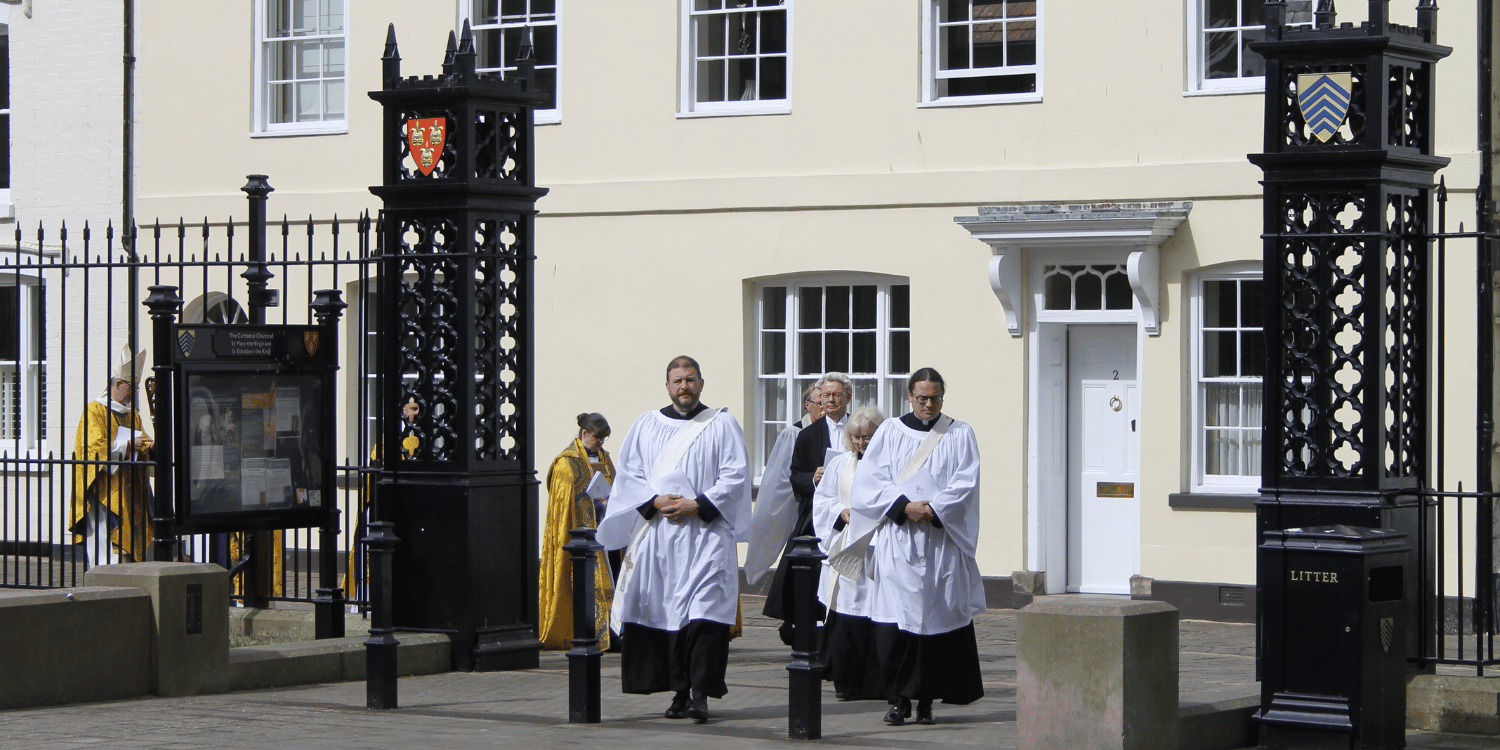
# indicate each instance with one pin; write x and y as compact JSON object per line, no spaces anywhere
{"x":689,"y":570}
{"x":925,"y":580}
{"x":775,"y":515}
{"x":833,"y":496}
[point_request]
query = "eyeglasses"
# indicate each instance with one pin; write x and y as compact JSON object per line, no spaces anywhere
{"x":938,"y":399}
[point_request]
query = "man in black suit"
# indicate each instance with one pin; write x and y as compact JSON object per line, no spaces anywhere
{"x":807,"y":470}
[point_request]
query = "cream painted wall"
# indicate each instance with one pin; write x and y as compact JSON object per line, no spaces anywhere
{"x":656,"y":223}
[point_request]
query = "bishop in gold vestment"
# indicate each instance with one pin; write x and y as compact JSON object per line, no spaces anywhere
{"x":107,"y":494}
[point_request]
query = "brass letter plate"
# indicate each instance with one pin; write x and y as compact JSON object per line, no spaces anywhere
{"x":1115,"y":489}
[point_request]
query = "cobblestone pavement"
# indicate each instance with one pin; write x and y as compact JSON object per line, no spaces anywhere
{"x":529,"y":709}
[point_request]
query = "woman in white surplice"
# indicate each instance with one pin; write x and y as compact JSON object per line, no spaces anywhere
{"x":916,"y":504}
{"x":848,"y":654}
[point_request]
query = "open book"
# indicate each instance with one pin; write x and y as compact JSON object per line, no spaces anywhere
{"x":599,"y":487}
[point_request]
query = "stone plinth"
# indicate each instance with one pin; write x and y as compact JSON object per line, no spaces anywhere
{"x":1096,"y":672}
{"x":73,"y":646}
{"x":190,"y":624}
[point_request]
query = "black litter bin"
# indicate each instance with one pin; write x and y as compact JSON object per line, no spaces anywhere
{"x":1332,"y":638}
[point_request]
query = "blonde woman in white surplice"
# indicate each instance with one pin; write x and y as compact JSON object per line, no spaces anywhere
{"x":916,"y":506}
{"x":848,"y":654}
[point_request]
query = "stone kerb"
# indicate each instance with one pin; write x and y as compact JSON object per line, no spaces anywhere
{"x":73,"y":646}
{"x":1096,"y":672}
{"x":189,"y":653}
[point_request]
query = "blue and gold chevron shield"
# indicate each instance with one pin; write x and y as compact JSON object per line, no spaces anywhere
{"x":1324,"y":101}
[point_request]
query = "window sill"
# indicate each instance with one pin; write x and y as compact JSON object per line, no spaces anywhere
{"x":1253,"y":86}
{"x":340,"y":128}
{"x":980,"y":101}
{"x":1211,"y":501}
{"x":779,"y":109}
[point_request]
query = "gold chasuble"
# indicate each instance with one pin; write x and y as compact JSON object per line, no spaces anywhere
{"x":568,"y":507}
{"x":124,"y":492}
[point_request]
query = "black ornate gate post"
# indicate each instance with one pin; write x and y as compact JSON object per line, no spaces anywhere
{"x":164,"y":304}
{"x":1348,"y":176}
{"x":456,"y":335}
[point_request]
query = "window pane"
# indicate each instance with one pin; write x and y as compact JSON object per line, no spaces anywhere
{"x":1254,"y":64}
{"x":1220,"y":354}
{"x":810,"y":358}
{"x":708,"y":4}
{"x":772,"y":78}
{"x":711,"y":80}
{"x":10,"y":313}
{"x":1219,"y":54}
{"x":1221,"y":404}
{"x":773,"y":32}
{"x":1252,"y":354}
{"x":4,"y":72}
{"x":955,"y":48}
{"x":837,"y":306}
{"x":812,"y":307}
{"x":954,"y":10}
{"x":773,"y":307}
{"x":1020,"y":44}
{"x":987,"y":85}
{"x":1089,"y":294}
{"x":333,"y":98}
{"x":774,"y":392}
{"x":1250,"y":309}
{"x":989,"y":45}
{"x":5,"y":150}
{"x":772,"y":353}
{"x":277,"y":21}
{"x":1117,"y":294}
{"x":864,"y":307}
{"x":1219,"y":305}
{"x":513,"y":9}
{"x":486,"y":11}
{"x":1253,"y":12}
{"x":710,"y":31}
{"x":1222,"y":453}
{"x":836,"y":352}
{"x":1058,"y":292}
{"x":544,"y":45}
{"x":900,"y":353}
{"x":308,"y":106}
{"x":901,"y":306}
{"x":866,"y":393}
{"x":864,"y":353}
{"x":1219,"y":14}
{"x":1020,"y":8}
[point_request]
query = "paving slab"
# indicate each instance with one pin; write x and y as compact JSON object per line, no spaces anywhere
{"x":528,"y":709}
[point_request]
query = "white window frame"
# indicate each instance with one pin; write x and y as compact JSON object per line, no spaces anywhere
{"x":890,"y":386}
{"x":1244,"y":484}
{"x":1198,"y":84}
{"x":541,"y":116}
{"x":261,"y":125}
{"x":21,"y":270}
{"x":7,"y":206}
{"x":931,"y":71}
{"x":687,"y":104}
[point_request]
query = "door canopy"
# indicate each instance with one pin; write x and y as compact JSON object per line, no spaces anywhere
{"x":1137,"y":228}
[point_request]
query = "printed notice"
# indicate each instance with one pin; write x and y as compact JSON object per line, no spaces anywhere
{"x":253,"y":483}
{"x":279,"y":481}
{"x":288,"y":409}
{"x":208,"y":462}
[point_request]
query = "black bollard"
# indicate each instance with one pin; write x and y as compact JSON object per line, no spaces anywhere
{"x":805,"y":689}
{"x":380,"y":649}
{"x":583,"y":660}
{"x":329,"y":605}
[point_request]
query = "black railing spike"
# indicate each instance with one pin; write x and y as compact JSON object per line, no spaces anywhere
{"x":1325,"y":15}
{"x":1442,"y":190}
{"x":465,"y":59}
{"x":390,"y":62}
{"x":449,"y":57}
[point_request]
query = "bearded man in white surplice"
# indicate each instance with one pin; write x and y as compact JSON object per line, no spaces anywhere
{"x":680,"y":502}
{"x":915,"y":522}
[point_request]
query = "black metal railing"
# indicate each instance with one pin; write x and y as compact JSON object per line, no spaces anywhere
{"x":74,"y":302}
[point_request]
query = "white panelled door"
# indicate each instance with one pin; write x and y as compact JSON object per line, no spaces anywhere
{"x":1103,"y":458}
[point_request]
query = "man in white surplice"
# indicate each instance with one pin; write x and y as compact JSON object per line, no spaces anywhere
{"x":680,"y":502}
{"x":915,"y":504}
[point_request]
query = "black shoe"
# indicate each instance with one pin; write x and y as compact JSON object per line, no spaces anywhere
{"x":899,"y":713}
{"x":678,"y":709}
{"x":924,"y":713}
{"x":697,"y":708}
